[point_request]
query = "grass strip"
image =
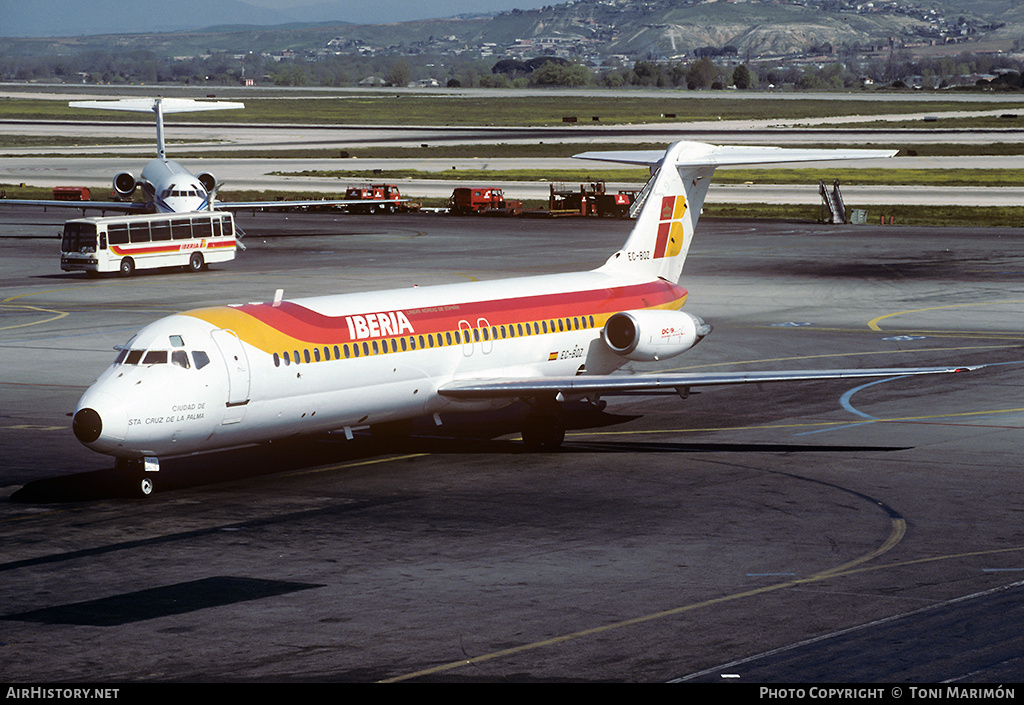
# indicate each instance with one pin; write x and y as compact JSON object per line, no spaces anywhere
{"x":540,"y":108}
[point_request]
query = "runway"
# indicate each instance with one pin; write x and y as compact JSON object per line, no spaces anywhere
{"x":90,"y":164}
{"x":841,"y":532}
{"x":283,"y":175}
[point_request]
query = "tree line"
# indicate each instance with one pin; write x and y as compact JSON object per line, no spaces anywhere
{"x":706,"y":72}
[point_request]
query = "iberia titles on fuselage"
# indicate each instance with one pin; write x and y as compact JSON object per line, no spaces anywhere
{"x":232,"y":375}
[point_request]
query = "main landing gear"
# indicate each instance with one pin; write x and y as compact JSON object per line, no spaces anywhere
{"x":543,"y":432}
{"x":139,"y":474}
{"x":544,"y":425}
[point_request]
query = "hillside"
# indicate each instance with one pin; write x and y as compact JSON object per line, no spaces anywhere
{"x":591,"y":31}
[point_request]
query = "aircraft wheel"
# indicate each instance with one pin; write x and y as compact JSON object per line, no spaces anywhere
{"x":145,"y":486}
{"x":542,"y":432}
{"x":127,"y":267}
{"x":195,"y":262}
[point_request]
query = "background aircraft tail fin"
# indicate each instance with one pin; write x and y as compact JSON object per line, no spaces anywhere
{"x":157,"y":106}
{"x":671,"y":202}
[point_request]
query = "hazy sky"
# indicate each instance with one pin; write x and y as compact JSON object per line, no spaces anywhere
{"x":400,"y":10}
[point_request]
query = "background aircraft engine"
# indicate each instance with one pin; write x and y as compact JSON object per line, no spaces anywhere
{"x":124,"y":184}
{"x":653,"y":335}
{"x":208,"y":180}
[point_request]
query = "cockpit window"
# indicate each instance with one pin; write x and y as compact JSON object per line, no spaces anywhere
{"x":121,"y":356}
{"x":179,"y":358}
{"x":201,"y":359}
{"x":177,"y":342}
{"x":155,"y":357}
{"x":133,"y":357}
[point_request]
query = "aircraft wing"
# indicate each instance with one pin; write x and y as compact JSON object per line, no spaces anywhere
{"x":623,"y":384}
{"x":280,"y":205}
{"x":119,"y":206}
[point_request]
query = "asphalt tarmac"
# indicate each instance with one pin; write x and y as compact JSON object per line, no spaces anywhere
{"x":846,"y":531}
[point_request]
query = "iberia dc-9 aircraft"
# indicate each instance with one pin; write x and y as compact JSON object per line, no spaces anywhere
{"x":166,"y":185}
{"x":233,"y":375}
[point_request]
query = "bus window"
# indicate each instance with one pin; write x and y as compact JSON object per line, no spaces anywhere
{"x":78,"y":237}
{"x":138,"y":232}
{"x":117,"y":234}
{"x":201,"y":227}
{"x":161,"y":230}
{"x":181,"y":229}
{"x":228,"y":226}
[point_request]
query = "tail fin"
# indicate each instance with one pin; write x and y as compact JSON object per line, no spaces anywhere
{"x":158,"y":106}
{"x":671,"y":202}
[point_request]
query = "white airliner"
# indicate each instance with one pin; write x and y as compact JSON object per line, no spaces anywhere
{"x":233,"y":375}
{"x":167,"y":186}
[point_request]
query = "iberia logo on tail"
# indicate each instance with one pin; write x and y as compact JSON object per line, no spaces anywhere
{"x":670,"y":229}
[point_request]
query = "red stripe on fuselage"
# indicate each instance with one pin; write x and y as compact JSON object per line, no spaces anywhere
{"x":305,"y":324}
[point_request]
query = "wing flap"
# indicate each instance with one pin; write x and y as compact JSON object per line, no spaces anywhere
{"x":611,"y":385}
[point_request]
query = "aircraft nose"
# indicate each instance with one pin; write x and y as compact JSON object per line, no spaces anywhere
{"x":101,"y":421}
{"x":87,"y":425}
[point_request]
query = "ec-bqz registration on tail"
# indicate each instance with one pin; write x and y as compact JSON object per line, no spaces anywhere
{"x":233,"y":375}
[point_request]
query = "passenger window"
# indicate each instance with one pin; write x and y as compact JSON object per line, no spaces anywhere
{"x":179,"y":358}
{"x":201,"y":359}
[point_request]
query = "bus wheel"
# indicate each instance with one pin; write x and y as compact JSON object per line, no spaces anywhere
{"x":127,"y":267}
{"x":195,"y":262}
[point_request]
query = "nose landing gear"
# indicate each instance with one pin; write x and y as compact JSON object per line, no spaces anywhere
{"x":139,"y":474}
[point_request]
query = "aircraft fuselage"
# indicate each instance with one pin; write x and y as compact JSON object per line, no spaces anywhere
{"x":326,"y":363}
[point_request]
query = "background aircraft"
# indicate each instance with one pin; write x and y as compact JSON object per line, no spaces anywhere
{"x":167,"y":186}
{"x":233,"y":375}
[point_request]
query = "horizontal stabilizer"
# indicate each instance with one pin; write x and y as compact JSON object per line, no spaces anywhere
{"x":699,"y":154}
{"x":611,"y":385}
{"x":148,"y":105}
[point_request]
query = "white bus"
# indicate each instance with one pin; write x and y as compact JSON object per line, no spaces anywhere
{"x":129,"y":242}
